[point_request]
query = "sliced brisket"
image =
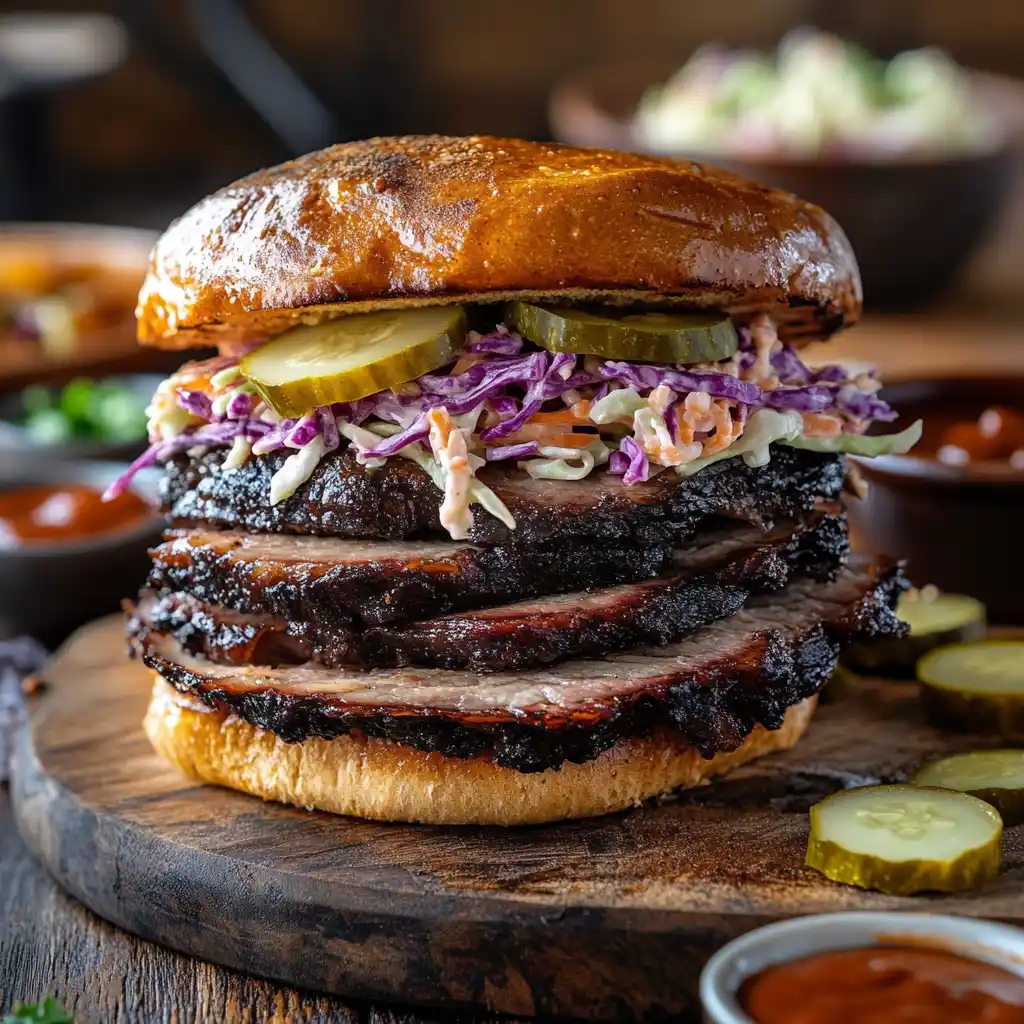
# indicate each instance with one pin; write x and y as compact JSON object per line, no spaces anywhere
{"x":656,"y":612}
{"x":399,"y":501}
{"x":713,"y":581}
{"x":230,"y":637}
{"x":337,"y":581}
{"x":712,"y":687}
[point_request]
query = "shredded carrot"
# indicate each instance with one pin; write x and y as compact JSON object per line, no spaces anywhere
{"x":822,"y":424}
{"x":573,"y":440}
{"x":440,"y":427}
{"x":561,"y":416}
{"x":726,"y":429}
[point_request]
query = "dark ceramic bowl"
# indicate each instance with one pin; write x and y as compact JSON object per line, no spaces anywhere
{"x":912,"y":224}
{"x":14,"y":437}
{"x":48,"y":590}
{"x":959,"y":527}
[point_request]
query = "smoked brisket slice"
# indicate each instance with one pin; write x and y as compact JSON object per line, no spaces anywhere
{"x":398,"y":501}
{"x":589,"y":624}
{"x":336,"y":581}
{"x":713,"y":581}
{"x":712,"y":687}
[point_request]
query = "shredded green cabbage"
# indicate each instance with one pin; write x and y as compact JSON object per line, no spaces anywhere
{"x":868,"y":446}
{"x":297,"y":469}
{"x":559,"y":468}
{"x":617,"y":405}
{"x":765,"y":427}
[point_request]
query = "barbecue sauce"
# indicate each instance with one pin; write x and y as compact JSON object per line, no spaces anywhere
{"x":63,"y":513}
{"x":998,"y":433}
{"x":884,"y":984}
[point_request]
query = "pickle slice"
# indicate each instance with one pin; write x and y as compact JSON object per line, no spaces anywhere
{"x":351,"y":357}
{"x":995,"y":776}
{"x":976,"y":687}
{"x":935,"y":619}
{"x":905,"y":839}
{"x":695,"y":337}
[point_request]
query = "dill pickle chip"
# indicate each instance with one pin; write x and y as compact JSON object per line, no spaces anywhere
{"x":995,"y":776}
{"x":976,"y":687}
{"x":654,"y":337}
{"x":350,"y":357}
{"x":905,"y":839}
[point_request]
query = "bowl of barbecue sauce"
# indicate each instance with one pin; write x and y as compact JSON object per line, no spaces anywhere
{"x":869,"y":968}
{"x":65,"y":555}
{"x":952,"y":505}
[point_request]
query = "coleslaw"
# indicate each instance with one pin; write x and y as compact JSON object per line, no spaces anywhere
{"x":556,"y":416}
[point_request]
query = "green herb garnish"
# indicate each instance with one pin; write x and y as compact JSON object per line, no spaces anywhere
{"x":84,"y":410}
{"x":49,"y":1011}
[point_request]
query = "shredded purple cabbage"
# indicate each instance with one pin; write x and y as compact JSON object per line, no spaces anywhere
{"x":303,"y":432}
{"x":789,"y":367}
{"x":501,"y":342}
{"x":618,"y":463}
{"x":239,"y":407}
{"x":805,"y":399}
{"x":863,"y":406}
{"x":418,"y":431}
{"x":513,"y":423}
{"x":210,"y":435}
{"x":639,"y":467}
{"x":328,"y":428}
{"x":195,"y":402}
{"x":648,"y":376}
{"x":512,"y":451}
{"x":672,"y":419}
{"x":831,"y":374}
{"x":504,"y":407}
{"x":274,"y":438}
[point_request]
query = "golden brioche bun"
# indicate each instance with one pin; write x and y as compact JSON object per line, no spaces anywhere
{"x":433,"y":219}
{"x":374,"y":778}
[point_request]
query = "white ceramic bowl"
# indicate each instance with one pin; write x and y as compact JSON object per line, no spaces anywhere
{"x":803,"y":936}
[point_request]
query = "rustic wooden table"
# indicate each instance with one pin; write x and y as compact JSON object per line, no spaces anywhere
{"x":51,"y":945}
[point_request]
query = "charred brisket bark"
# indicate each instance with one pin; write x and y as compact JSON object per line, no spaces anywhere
{"x":711,"y":688}
{"x":337,"y":581}
{"x":399,"y":501}
{"x":712,"y":582}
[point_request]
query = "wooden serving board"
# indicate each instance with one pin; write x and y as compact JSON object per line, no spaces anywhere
{"x":604,"y":919}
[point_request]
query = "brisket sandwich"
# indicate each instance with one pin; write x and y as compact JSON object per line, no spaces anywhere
{"x":508,"y":497}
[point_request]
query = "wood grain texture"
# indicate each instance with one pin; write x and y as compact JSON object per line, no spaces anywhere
{"x":51,"y":945}
{"x":604,"y":919}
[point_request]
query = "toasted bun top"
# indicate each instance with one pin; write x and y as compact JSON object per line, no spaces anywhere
{"x":432,"y":219}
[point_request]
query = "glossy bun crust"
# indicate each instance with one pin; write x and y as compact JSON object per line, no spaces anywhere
{"x":432,"y":219}
{"x":375,"y":778}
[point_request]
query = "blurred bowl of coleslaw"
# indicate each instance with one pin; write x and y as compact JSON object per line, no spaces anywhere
{"x":913,"y":156}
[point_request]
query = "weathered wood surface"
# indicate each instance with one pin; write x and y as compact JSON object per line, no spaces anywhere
{"x":51,"y":945}
{"x":604,"y":919}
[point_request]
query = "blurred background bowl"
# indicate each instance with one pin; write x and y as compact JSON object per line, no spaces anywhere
{"x":112,"y":442}
{"x":957,"y":526}
{"x":41,"y":260}
{"x":913,"y":223}
{"x":49,"y":589}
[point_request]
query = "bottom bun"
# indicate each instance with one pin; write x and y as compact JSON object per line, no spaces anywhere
{"x":374,"y":778}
